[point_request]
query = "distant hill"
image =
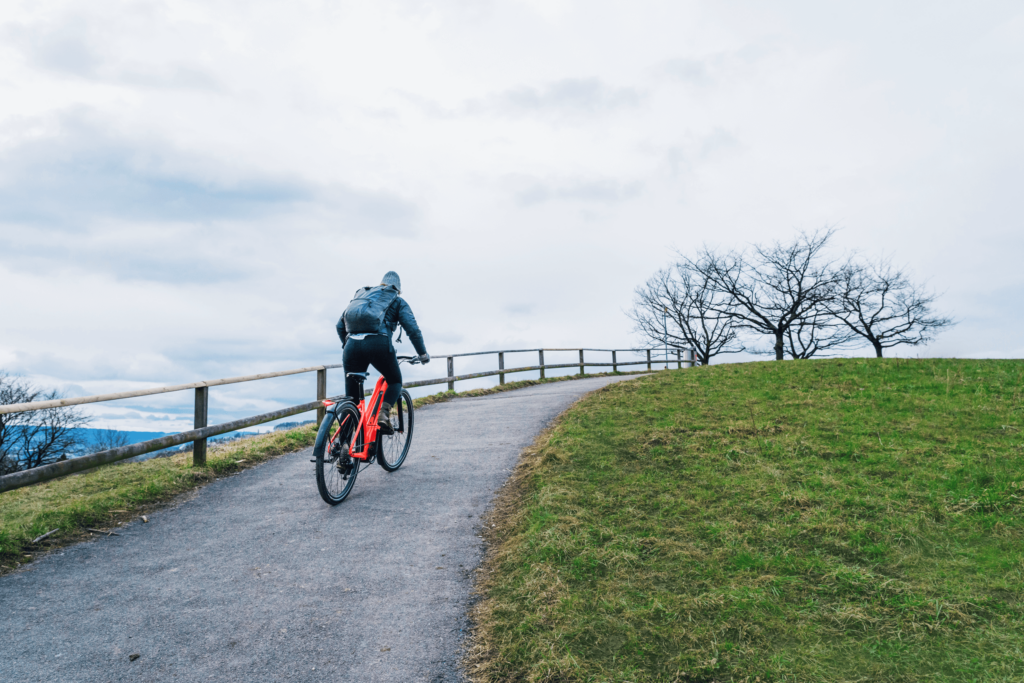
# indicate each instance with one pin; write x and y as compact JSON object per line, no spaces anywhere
{"x":95,"y":439}
{"x":91,"y":436}
{"x":292,"y":425}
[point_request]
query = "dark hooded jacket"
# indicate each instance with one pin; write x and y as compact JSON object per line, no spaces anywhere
{"x":398,"y":313}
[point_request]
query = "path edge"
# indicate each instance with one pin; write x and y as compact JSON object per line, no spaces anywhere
{"x":502,"y":516}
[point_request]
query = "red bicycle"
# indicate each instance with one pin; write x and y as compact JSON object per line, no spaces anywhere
{"x":349,"y":439}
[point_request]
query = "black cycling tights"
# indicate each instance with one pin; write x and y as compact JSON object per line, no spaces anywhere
{"x":376,"y":350}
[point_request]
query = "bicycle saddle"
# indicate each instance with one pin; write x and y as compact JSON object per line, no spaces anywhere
{"x":360,"y":375}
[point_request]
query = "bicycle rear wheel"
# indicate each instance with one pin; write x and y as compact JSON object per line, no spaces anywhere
{"x":393,"y":448}
{"x":335,"y":470}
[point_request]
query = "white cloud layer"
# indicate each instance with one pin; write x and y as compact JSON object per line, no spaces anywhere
{"x":192,"y":190}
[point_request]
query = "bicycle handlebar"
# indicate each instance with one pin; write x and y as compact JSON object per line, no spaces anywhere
{"x":412,"y":360}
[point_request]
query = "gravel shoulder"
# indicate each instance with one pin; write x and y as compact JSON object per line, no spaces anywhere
{"x":255,"y":578}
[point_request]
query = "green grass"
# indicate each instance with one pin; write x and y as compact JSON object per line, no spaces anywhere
{"x":835,"y":520}
{"x":104,"y":497}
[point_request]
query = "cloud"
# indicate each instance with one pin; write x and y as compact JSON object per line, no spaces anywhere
{"x":520,"y":308}
{"x":63,"y":51}
{"x":588,"y":191}
{"x":711,"y":70}
{"x":375,"y":210}
{"x":174,"y":76}
{"x":567,"y":97}
{"x":166,"y":256}
{"x":84,"y":171}
{"x":693,"y":150}
{"x":577,"y":94}
{"x":589,"y":96}
{"x":86,"y":199}
{"x":84,"y":174}
{"x":84,"y":46}
{"x":694,"y":71}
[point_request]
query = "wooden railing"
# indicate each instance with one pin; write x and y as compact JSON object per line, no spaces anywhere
{"x":201,"y":432}
{"x":452,"y":378}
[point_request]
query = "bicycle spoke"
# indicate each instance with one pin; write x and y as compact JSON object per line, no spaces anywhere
{"x":392,"y":449}
{"x":335,"y":471}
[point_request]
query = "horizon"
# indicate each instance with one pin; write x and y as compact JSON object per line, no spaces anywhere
{"x":178,"y":202}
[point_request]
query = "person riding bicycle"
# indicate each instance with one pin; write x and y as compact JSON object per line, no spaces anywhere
{"x":365,"y":330}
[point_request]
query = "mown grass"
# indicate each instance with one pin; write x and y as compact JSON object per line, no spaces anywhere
{"x":108,"y":496}
{"x":835,"y":520}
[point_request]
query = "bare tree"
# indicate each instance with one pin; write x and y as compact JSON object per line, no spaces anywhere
{"x":780,"y":290}
{"x":12,"y":391}
{"x":108,"y":439}
{"x":688,"y":300}
{"x":878,"y":302}
{"x":816,"y":333}
{"x":32,"y":439}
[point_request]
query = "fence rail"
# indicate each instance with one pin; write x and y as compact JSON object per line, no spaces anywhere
{"x":199,"y":435}
{"x":61,"y":402}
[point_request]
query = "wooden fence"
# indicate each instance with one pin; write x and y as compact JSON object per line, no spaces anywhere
{"x":199,"y":435}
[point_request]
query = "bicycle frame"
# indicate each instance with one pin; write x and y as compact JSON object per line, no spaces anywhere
{"x":367,"y":421}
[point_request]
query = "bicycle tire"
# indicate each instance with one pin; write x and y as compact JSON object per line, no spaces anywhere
{"x":392,"y":449}
{"x":335,"y":471}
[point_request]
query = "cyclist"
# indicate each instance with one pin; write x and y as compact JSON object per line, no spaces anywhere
{"x":372,"y":316}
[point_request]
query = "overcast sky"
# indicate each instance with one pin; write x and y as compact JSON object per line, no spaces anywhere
{"x":191,"y":190}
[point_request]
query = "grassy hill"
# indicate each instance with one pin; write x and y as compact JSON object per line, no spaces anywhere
{"x":835,"y":520}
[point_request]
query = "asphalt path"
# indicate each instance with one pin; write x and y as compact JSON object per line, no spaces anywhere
{"x":254,"y":578}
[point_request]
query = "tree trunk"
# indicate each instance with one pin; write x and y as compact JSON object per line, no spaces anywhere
{"x":878,"y":348}
{"x":778,"y":346}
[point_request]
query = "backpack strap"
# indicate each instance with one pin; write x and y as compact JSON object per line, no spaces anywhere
{"x":397,"y":322}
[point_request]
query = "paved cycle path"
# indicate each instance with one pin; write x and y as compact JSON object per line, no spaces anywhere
{"x":254,"y":578}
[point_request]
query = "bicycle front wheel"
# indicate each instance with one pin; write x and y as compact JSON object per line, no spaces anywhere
{"x":393,"y":448}
{"x":335,"y":470}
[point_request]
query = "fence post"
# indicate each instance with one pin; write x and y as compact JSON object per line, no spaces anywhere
{"x":541,"y":363}
{"x":648,"y":359}
{"x":202,"y":410}
{"x":679,"y":359}
{"x":583,"y":369}
{"x":501,"y":366}
{"x":451,"y":373}
{"x":615,"y":367}
{"x":321,"y":394}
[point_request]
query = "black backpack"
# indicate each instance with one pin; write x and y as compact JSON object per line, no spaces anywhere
{"x":365,"y":312}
